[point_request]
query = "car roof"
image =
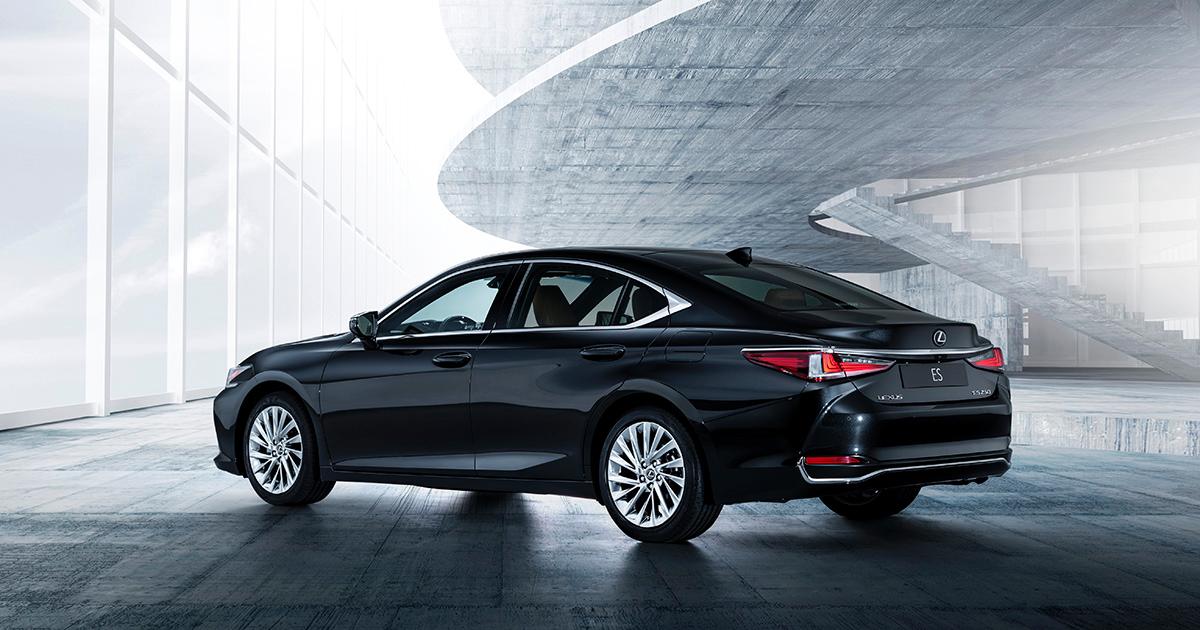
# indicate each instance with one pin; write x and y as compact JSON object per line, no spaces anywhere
{"x":598,"y":253}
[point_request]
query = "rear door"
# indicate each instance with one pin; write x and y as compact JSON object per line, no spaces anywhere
{"x":574,"y":333}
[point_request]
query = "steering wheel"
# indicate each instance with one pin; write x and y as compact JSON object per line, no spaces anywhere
{"x":461,"y":321}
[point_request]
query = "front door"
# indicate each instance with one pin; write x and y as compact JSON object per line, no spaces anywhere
{"x":404,"y":406}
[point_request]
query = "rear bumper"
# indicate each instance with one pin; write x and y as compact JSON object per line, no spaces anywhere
{"x":758,"y":455}
{"x":919,"y":472}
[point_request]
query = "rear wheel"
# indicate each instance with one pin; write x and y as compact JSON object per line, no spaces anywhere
{"x":866,"y":505}
{"x":651,"y":480}
{"x":281,"y":454}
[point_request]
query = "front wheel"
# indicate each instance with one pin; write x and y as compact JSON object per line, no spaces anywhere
{"x":864,"y":505}
{"x":651,"y":481}
{"x":281,"y":454}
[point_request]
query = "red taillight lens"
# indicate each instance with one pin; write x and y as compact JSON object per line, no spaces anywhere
{"x":794,"y":362}
{"x":834,"y":460}
{"x":991,"y":360}
{"x":815,"y":365}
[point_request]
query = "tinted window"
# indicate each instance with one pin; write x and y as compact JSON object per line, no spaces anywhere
{"x":791,"y":288}
{"x":643,"y":301}
{"x":459,"y":304}
{"x":566,"y":297}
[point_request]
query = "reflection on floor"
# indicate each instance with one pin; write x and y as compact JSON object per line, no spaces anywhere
{"x":123,"y":522}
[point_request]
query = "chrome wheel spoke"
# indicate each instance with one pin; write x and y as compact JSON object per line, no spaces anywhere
{"x":627,"y":449}
{"x":662,"y":450}
{"x":275,"y":449}
{"x":619,"y":495}
{"x":659,"y":499}
{"x":648,"y":451}
{"x":619,"y":459}
{"x":625,"y":480}
{"x":672,"y":493}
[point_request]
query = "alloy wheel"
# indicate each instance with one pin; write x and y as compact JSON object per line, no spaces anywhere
{"x":275,"y":449}
{"x":646,"y":474}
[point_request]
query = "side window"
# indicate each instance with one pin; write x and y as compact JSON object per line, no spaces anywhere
{"x":571,"y":296}
{"x":461,"y":303}
{"x":643,"y":301}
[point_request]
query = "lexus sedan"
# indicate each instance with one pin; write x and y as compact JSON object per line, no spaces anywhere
{"x":662,"y":383}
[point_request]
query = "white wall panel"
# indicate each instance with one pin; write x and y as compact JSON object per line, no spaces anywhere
{"x":285,"y":287}
{"x":253,"y":251}
{"x":207,"y":249}
{"x":140,"y":195}
{"x":44,"y":176}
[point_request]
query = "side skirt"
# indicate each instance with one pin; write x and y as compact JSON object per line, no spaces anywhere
{"x":580,"y":489}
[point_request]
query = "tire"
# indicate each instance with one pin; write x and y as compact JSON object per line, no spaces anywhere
{"x":653,"y":516}
{"x":871,"y":504}
{"x":290,"y":420}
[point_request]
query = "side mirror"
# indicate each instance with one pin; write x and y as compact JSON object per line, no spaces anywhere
{"x":364,"y":326}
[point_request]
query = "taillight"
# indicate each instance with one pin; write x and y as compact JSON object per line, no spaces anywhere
{"x":991,"y":360}
{"x":815,"y":365}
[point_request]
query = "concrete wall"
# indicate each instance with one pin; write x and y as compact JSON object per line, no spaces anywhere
{"x":935,"y":290}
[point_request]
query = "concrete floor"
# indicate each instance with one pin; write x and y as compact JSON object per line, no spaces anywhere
{"x":123,"y":522}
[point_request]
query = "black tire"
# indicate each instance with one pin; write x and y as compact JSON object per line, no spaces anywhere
{"x":308,"y":487}
{"x":871,"y":504}
{"x":693,"y":515}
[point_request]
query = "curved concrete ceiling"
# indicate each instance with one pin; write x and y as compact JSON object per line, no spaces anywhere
{"x":725,"y":125}
{"x":500,"y":41}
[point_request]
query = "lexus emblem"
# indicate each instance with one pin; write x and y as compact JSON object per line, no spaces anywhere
{"x":939,"y":337}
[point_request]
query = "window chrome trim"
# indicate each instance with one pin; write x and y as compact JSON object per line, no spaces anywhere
{"x":956,"y":353}
{"x":819,"y":480}
{"x":433,"y":283}
{"x":675,"y":303}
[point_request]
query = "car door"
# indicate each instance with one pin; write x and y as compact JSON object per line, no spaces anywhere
{"x":403,"y":406}
{"x":575,"y":332}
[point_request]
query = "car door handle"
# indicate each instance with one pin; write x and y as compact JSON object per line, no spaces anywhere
{"x":607,"y":352}
{"x":452,"y":359}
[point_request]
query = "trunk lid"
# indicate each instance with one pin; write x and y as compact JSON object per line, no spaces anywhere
{"x":885,"y":330}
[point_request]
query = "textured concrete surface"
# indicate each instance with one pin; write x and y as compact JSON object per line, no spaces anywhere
{"x":500,"y":41}
{"x":935,"y":290}
{"x":122,"y":522}
{"x":725,"y":125}
{"x":1083,"y":412}
{"x":1000,"y":268}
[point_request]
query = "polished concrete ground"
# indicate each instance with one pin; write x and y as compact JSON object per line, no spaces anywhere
{"x":122,"y":522}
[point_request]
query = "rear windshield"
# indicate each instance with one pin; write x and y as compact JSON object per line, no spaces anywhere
{"x":790,"y":288}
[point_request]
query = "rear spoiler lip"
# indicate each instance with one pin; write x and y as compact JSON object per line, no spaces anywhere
{"x":924,"y":353}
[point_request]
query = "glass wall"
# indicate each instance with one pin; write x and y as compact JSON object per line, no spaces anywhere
{"x":226,"y":161}
{"x":43,"y":224}
{"x":208,"y":159}
{"x":141,"y":159}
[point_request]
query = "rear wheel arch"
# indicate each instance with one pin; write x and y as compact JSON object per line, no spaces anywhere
{"x":615,"y":410}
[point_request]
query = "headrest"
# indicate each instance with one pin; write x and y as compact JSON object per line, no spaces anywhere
{"x":786,"y":299}
{"x":551,"y":308}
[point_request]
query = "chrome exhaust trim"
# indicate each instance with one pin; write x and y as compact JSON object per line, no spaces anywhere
{"x":881,"y":471}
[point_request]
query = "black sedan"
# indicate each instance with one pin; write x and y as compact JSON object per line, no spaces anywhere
{"x":663,"y":383}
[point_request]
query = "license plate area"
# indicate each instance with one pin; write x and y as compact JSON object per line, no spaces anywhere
{"x":916,"y":375}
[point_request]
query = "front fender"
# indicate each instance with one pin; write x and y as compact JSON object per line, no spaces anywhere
{"x":233,"y":403}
